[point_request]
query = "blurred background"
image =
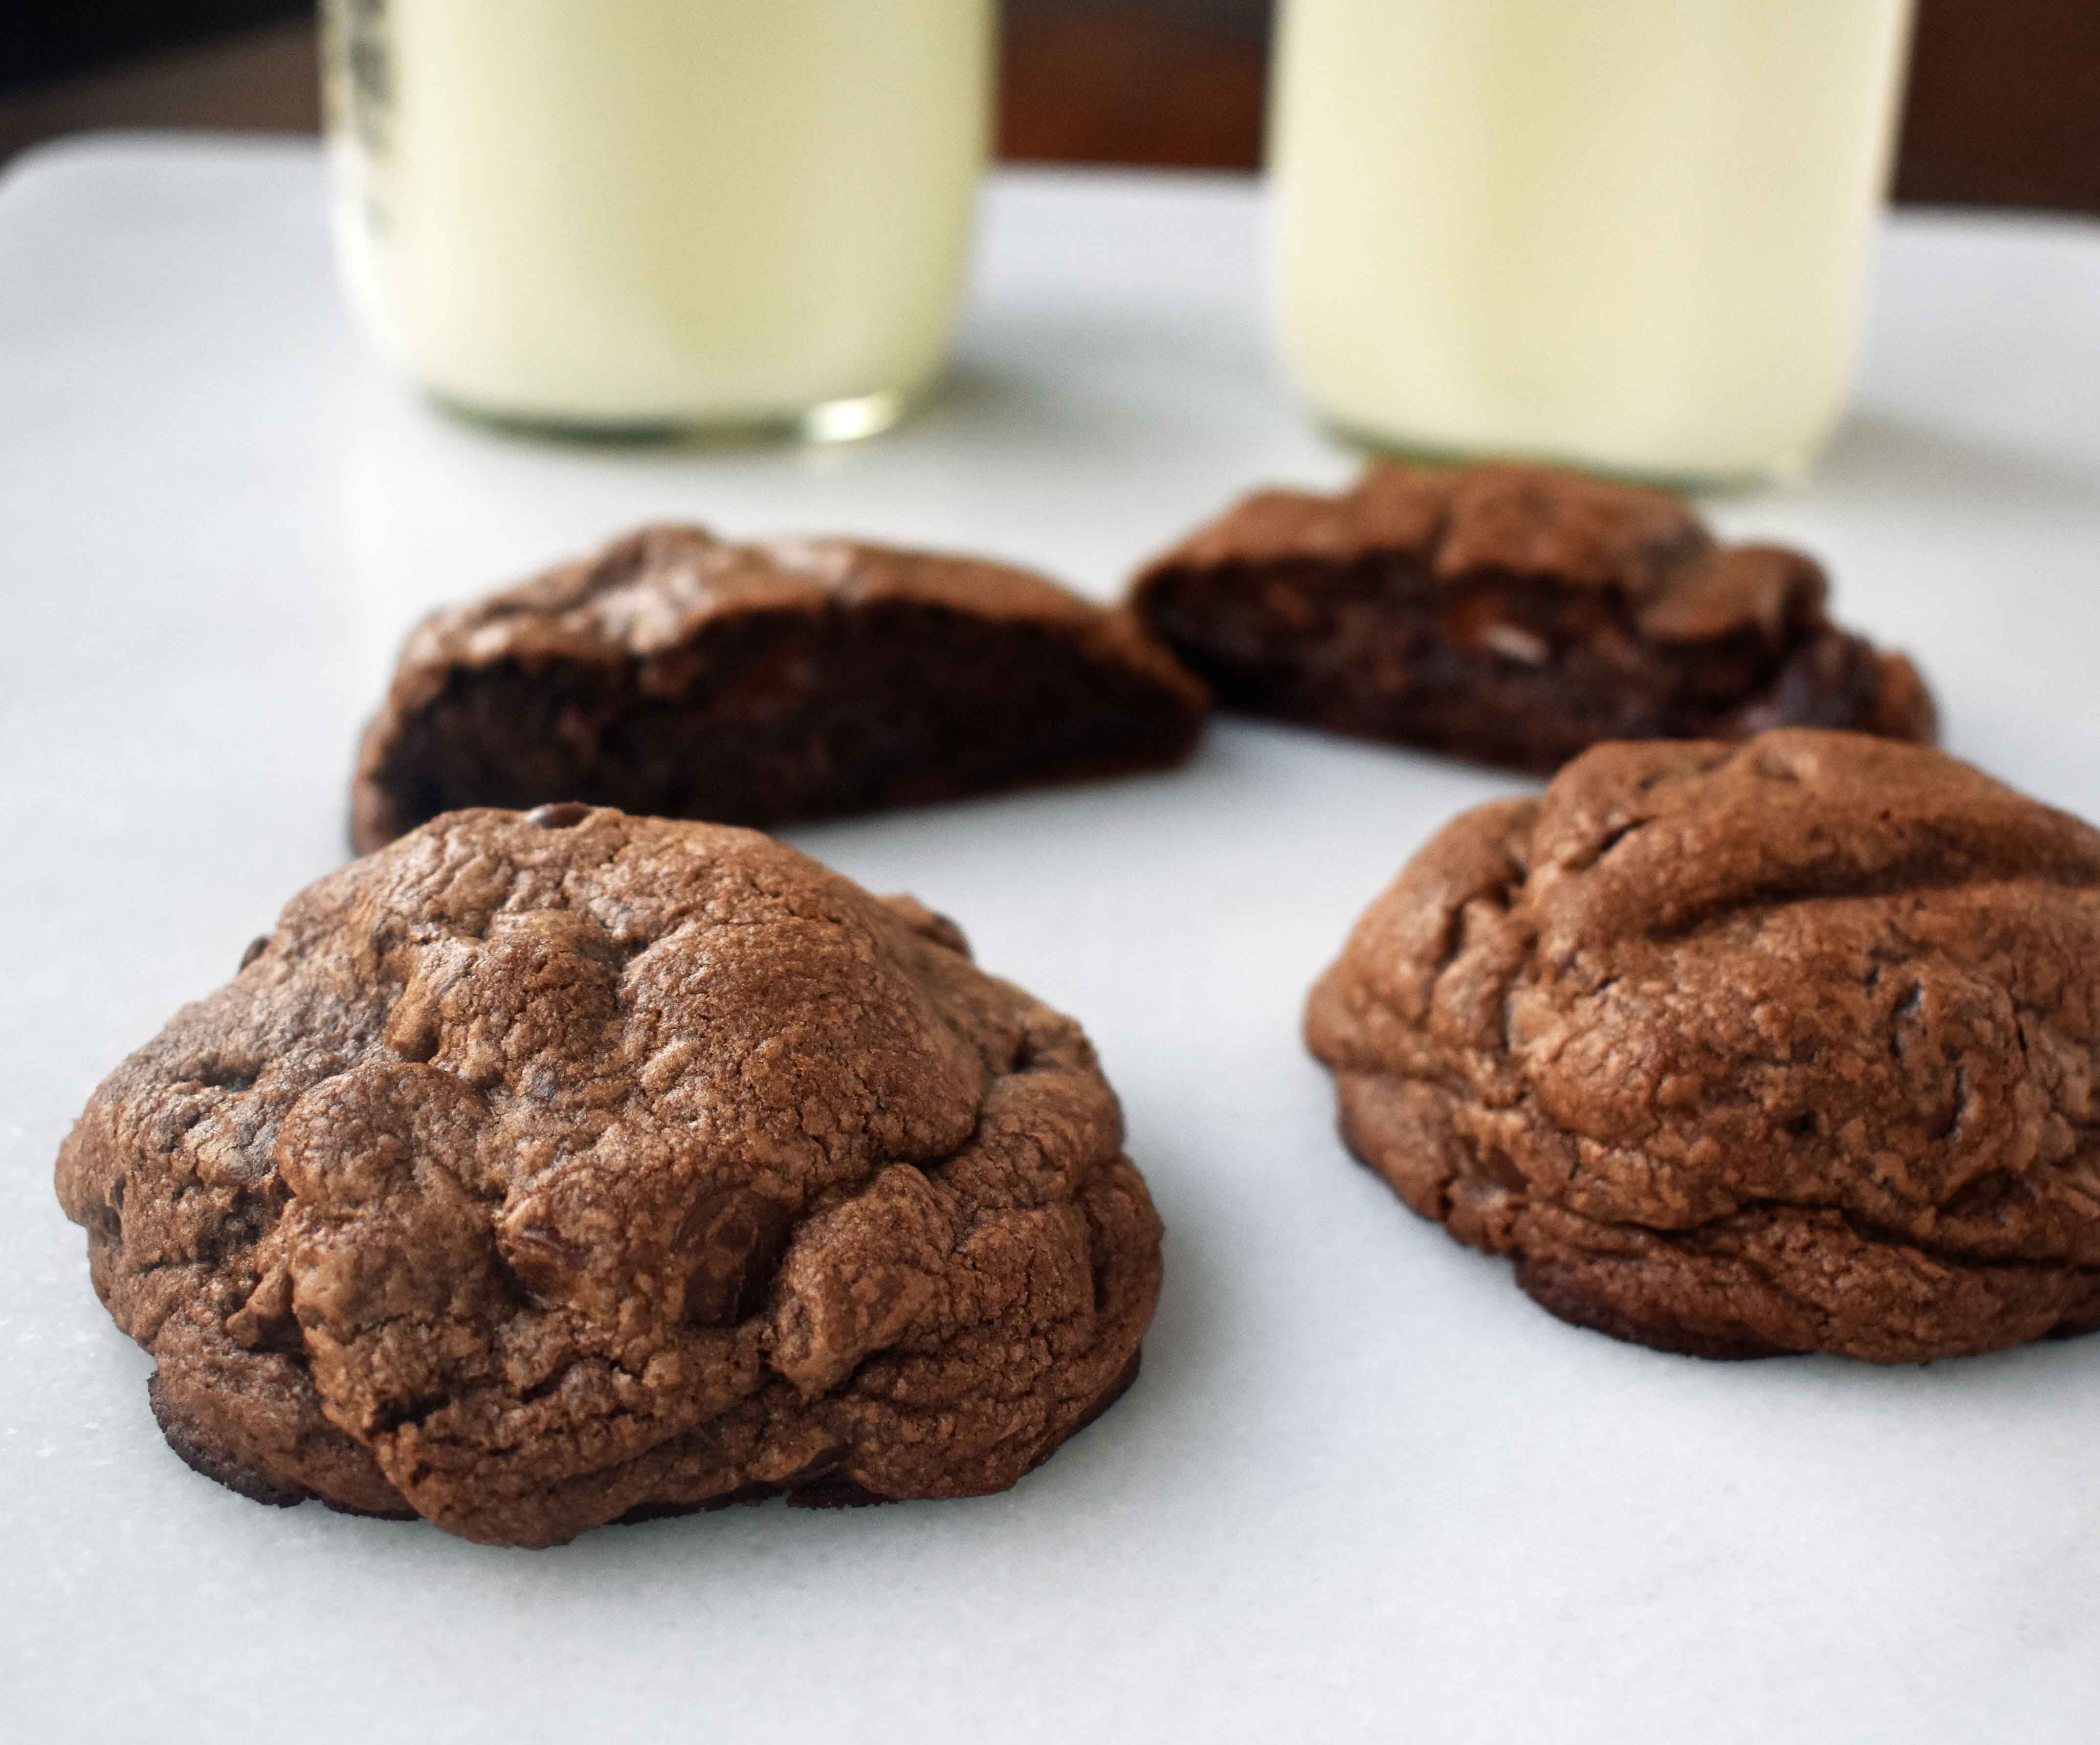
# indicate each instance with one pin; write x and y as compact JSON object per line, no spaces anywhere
{"x":2004,"y":104}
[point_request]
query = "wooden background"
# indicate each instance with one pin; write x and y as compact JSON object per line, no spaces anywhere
{"x":2004,"y":106}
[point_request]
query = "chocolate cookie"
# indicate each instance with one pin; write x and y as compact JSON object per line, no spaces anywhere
{"x":1514,"y":615}
{"x":1791,"y":1046}
{"x":547,"y":1171}
{"x":676,"y":675}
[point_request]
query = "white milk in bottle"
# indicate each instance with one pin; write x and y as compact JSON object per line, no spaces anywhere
{"x":1630,"y":233}
{"x":634,"y":214}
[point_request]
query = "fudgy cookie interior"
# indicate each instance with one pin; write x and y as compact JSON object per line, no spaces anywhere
{"x":1514,"y":615}
{"x":675,"y":675}
{"x":783,"y":715}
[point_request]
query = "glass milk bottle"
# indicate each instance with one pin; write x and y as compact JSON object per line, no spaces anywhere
{"x":1627,"y":233}
{"x":660,"y":214}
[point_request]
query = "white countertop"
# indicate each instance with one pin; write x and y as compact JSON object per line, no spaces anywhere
{"x":1364,"y":1489}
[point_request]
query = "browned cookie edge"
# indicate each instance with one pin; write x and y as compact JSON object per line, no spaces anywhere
{"x":203,"y":1452}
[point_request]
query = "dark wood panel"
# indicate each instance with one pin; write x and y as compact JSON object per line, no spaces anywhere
{"x":2003,"y":105}
{"x":1089,"y":81}
{"x":262,"y":81}
{"x":51,"y":39}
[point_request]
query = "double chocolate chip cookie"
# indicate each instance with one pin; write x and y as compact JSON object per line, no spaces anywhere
{"x":546,"y":1170}
{"x":1737,"y":1051}
{"x":1514,"y":615}
{"x":675,"y":674}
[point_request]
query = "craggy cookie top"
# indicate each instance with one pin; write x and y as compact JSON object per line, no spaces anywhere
{"x":1789,"y":1046}
{"x":543,"y":1168}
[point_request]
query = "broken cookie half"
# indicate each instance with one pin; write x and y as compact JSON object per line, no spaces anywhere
{"x":1514,"y":615}
{"x":674,"y":674}
{"x":540,"y":1171}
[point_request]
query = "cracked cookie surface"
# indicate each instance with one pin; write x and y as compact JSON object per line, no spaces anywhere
{"x":1738,"y":1050}
{"x":544,"y":1170}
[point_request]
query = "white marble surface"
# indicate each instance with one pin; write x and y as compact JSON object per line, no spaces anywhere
{"x":1363,"y":1490}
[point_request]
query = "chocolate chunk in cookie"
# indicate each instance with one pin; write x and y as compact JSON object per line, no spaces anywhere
{"x":1514,"y":615}
{"x":546,"y":1170}
{"x":1737,"y":1050}
{"x":675,"y":675}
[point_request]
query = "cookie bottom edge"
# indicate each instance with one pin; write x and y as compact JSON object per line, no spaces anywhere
{"x":1551,"y":1288}
{"x":198,"y":1449}
{"x":204,"y":1455}
{"x":827,"y":1491}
